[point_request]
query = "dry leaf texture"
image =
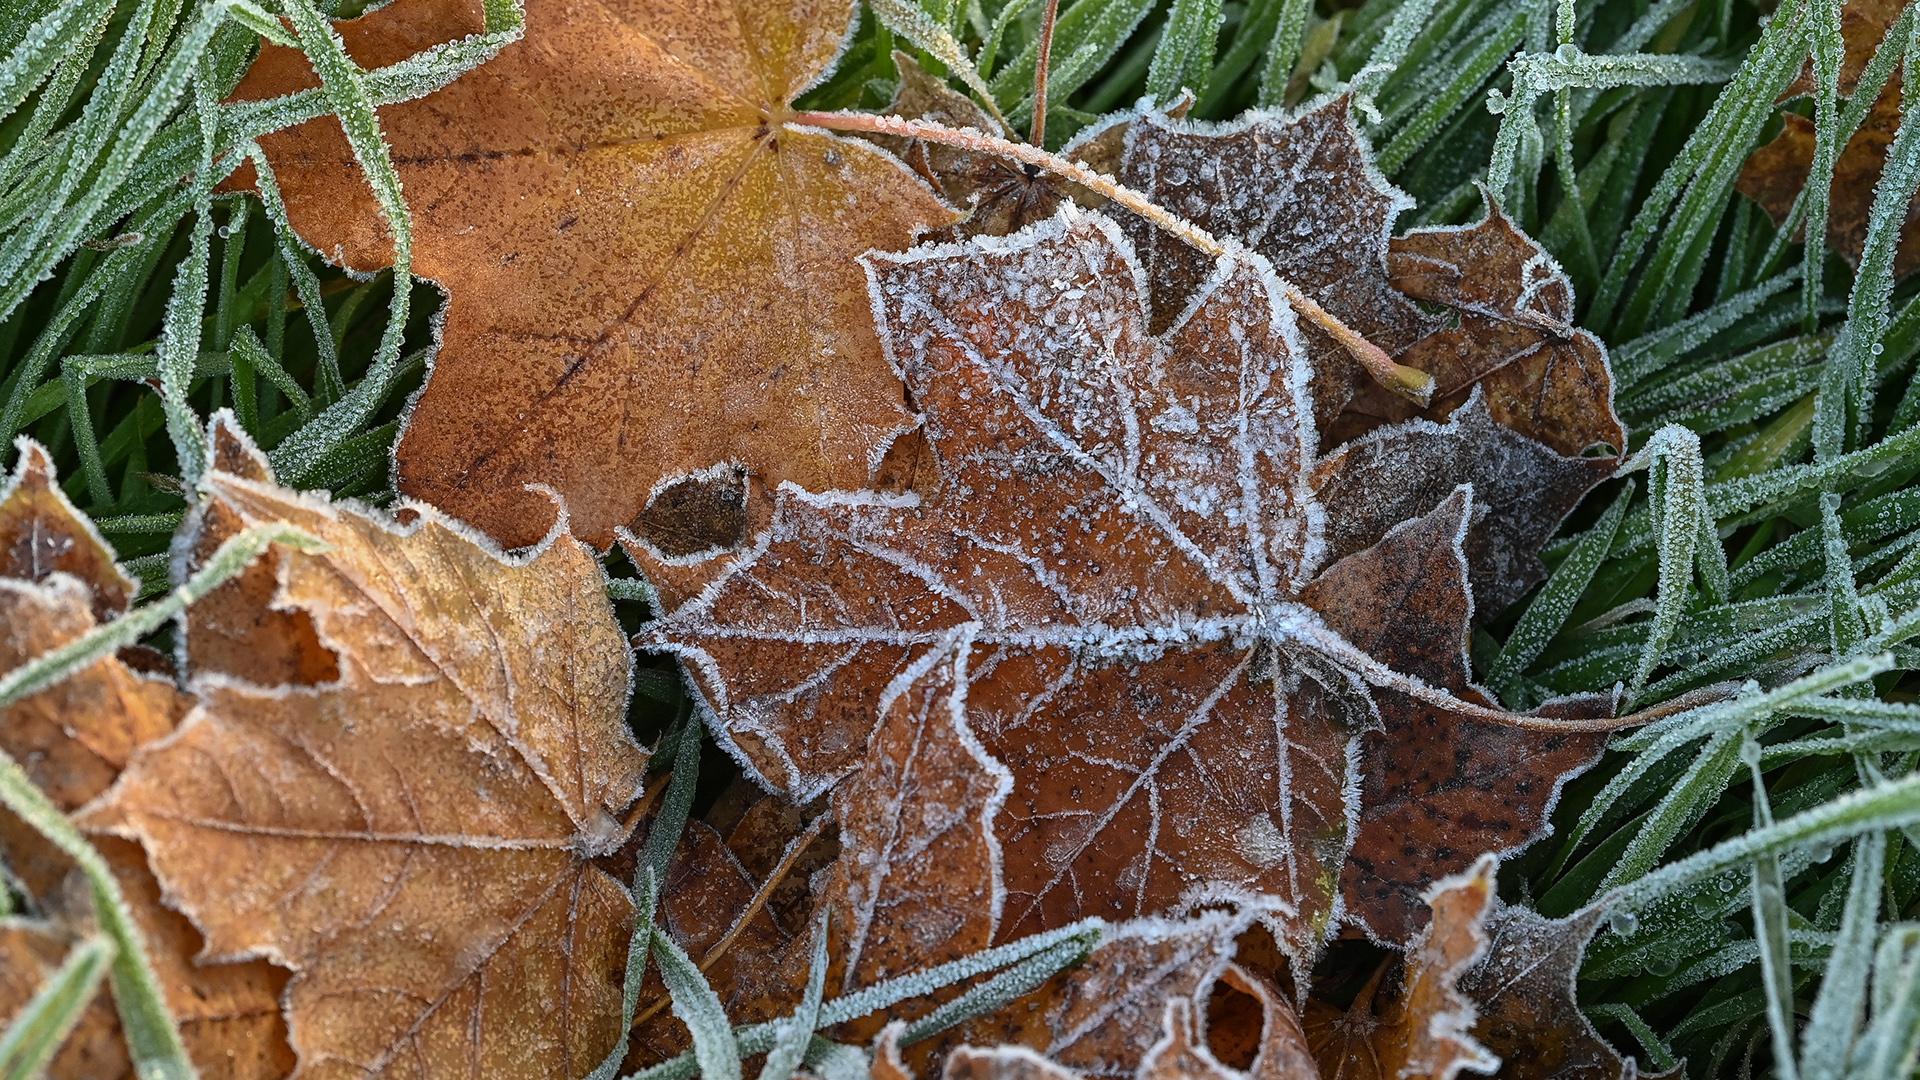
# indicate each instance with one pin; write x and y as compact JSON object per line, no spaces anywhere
{"x":1422,"y":1030}
{"x":42,"y":534}
{"x":414,"y":840}
{"x":1104,"y":678}
{"x":1301,"y":189}
{"x":1529,"y":1013}
{"x":1121,"y":531}
{"x":648,"y":272}
{"x":73,"y":739}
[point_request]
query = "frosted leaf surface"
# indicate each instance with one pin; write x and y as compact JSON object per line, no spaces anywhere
{"x":41,"y":533}
{"x":1377,"y":481}
{"x":1524,"y":990}
{"x":1122,"y":535}
{"x":1438,"y":786}
{"x":413,"y":838}
{"x":1105,"y":1015}
{"x":619,"y":215}
{"x":1152,"y":695}
{"x":1421,"y":1026}
{"x":1515,"y":339}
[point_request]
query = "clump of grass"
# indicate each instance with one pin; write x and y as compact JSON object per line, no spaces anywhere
{"x":1764,"y":848}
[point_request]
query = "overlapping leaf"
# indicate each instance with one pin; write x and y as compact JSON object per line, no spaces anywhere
{"x":73,"y":739}
{"x":1529,"y":1012}
{"x":649,"y":272}
{"x":1302,"y":190}
{"x":413,"y":840}
{"x":1117,"y":686}
{"x":1776,"y":172}
{"x":1421,"y":1028}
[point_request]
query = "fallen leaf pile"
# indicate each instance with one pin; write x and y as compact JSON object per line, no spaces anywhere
{"x":1049,"y":573}
{"x":1776,"y":173}
{"x":385,"y":857}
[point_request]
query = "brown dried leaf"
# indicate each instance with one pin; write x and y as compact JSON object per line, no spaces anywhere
{"x":1515,"y":338}
{"x":1423,"y":1030}
{"x":614,"y":206}
{"x":1124,"y":531}
{"x":42,"y":534}
{"x":415,"y":840}
{"x":30,"y":951}
{"x":236,"y":630}
{"x":1438,"y":786}
{"x":1529,"y":1012}
{"x":73,"y":739}
{"x":1302,"y":190}
{"x":1776,"y":172}
{"x":1107,"y":1014}
{"x":1403,"y":471}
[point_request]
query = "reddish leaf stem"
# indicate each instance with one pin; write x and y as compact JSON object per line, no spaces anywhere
{"x":1411,"y":383}
{"x":1042,"y":62}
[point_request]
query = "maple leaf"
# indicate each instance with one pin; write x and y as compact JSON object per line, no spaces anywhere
{"x":618,"y":210}
{"x":1529,"y":1011}
{"x":414,"y":840}
{"x":73,"y":739}
{"x":1133,"y":1007}
{"x":1774,"y":174}
{"x":1108,"y":684}
{"x":1422,"y":1029}
{"x":1301,"y":189}
{"x":41,"y":533}
{"x":1109,"y":582}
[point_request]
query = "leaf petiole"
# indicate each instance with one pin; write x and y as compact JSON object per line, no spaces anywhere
{"x":1408,"y":382}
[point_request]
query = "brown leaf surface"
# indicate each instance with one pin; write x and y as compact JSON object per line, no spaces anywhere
{"x":1405,"y":470}
{"x":1158,"y":738}
{"x":236,"y":630}
{"x":1423,"y":1029}
{"x":1302,"y":190}
{"x":1776,"y":172}
{"x":30,"y":951}
{"x":1529,"y":1013}
{"x":1438,"y":786}
{"x":415,"y":840}
{"x":1107,"y":1015}
{"x":619,"y":215}
{"x":1110,"y":673}
{"x":42,"y":534}
{"x":73,"y":739}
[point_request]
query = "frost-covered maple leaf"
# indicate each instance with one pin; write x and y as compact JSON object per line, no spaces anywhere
{"x":1115,"y":612}
{"x":1479,"y":308}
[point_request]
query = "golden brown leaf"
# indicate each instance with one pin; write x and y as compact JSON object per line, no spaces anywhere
{"x":1776,"y":172}
{"x":73,"y":739}
{"x":620,"y":217}
{"x":1422,"y":1030}
{"x":236,"y":630}
{"x":42,"y":534}
{"x":415,"y":840}
{"x":30,"y":951}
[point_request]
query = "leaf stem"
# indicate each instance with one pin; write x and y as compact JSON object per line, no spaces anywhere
{"x":1044,"y":60}
{"x":1410,"y":383}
